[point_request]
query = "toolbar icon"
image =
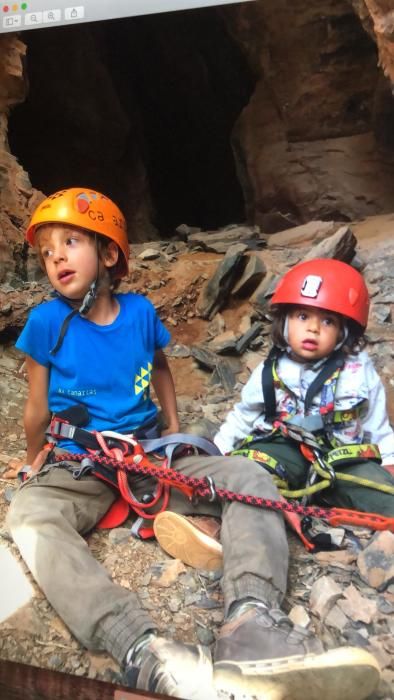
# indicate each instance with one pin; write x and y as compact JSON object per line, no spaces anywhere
{"x":33,"y":18}
{"x":72,"y":13}
{"x":12,"y":21}
{"x":52,"y":16}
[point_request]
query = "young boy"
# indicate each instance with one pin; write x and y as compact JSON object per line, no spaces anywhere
{"x":96,"y":355}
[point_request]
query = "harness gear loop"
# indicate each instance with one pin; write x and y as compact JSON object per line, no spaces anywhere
{"x":340,"y":456}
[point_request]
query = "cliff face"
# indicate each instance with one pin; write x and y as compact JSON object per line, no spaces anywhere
{"x":273,"y":112}
{"x":17,"y":196}
{"x":313,"y":140}
{"x":377,"y":17}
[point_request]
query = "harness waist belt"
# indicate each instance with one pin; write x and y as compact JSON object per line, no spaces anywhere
{"x":61,"y":429}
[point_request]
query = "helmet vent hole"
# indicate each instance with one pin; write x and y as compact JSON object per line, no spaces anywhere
{"x":353,"y":296}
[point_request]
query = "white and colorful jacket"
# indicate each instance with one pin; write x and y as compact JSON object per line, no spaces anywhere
{"x":359,"y":391}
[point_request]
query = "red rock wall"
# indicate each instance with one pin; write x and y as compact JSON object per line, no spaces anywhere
{"x":378,"y":18}
{"x":314,"y":141}
{"x":17,"y":197}
{"x":306,"y":143}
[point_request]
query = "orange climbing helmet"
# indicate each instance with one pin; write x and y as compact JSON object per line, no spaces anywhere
{"x":325,"y":284}
{"x":87,"y":209}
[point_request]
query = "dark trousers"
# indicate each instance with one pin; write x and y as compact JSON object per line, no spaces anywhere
{"x":343,"y":494}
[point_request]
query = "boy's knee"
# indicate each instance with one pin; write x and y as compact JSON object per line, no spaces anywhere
{"x":19,"y":509}
{"x":27,"y":508}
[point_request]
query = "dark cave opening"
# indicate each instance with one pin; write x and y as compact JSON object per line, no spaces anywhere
{"x":141,"y":109}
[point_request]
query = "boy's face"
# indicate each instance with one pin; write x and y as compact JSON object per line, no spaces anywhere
{"x":70,"y":258}
{"x":313,"y":333}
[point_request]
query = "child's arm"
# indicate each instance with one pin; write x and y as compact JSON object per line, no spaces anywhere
{"x":36,"y":414}
{"x":239,"y":423}
{"x":163,"y":385}
{"x":376,"y":423}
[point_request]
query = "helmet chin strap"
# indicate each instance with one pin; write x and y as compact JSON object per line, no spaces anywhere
{"x":89,"y":298}
{"x":86,"y":305}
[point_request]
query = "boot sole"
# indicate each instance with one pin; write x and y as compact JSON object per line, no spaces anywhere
{"x":179,"y":538}
{"x":345,"y":673}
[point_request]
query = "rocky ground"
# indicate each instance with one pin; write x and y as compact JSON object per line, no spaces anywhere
{"x":211,"y":291}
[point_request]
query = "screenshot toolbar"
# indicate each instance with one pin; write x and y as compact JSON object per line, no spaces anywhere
{"x":34,"y":14}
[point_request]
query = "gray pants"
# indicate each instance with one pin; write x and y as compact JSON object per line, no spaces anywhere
{"x":49,"y":514}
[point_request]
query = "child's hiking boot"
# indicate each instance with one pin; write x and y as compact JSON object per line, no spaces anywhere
{"x":191,"y":539}
{"x":171,"y":668}
{"x":260,"y":653}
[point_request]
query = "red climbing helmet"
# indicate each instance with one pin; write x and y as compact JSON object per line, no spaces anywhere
{"x":325,"y":284}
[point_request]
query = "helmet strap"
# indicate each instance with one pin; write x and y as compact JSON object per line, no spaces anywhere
{"x":86,"y":305}
{"x":89,"y":299}
{"x":285,"y":333}
{"x":345,"y":335}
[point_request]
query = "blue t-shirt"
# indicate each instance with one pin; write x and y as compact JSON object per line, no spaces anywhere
{"x":105,"y":368}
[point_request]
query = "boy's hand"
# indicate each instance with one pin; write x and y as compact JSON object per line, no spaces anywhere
{"x":14,"y":467}
{"x":173,"y":428}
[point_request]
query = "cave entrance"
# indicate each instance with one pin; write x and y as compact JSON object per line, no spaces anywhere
{"x":142,"y":109}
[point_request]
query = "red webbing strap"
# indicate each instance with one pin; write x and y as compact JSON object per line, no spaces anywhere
{"x":193,"y":487}
{"x":374,"y":521}
{"x":142,"y":508}
{"x":119,"y":453}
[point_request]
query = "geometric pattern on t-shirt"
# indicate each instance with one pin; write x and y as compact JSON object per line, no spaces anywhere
{"x":142,"y":380}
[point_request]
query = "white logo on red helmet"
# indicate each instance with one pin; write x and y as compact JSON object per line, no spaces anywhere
{"x":311,"y":285}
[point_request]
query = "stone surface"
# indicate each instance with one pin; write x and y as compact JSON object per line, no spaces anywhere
{"x":149,"y":254}
{"x":376,"y":561}
{"x":377,"y":18}
{"x":341,"y":245}
{"x":254,"y":272}
{"x":220,"y":241}
{"x":324,"y":594}
{"x":304,"y":149}
{"x":17,"y":197}
{"x":299,"y":616}
{"x":336,"y":618}
{"x":357,"y":607}
{"x":214,"y":294}
{"x":300,"y":235}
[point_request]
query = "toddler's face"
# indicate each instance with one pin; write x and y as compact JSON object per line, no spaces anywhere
{"x":313,"y":333}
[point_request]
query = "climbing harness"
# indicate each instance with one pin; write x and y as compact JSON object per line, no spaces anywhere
{"x":322,"y":465}
{"x":115,"y":458}
{"x":118,"y":449}
{"x":137,"y":463}
{"x":313,"y":433}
